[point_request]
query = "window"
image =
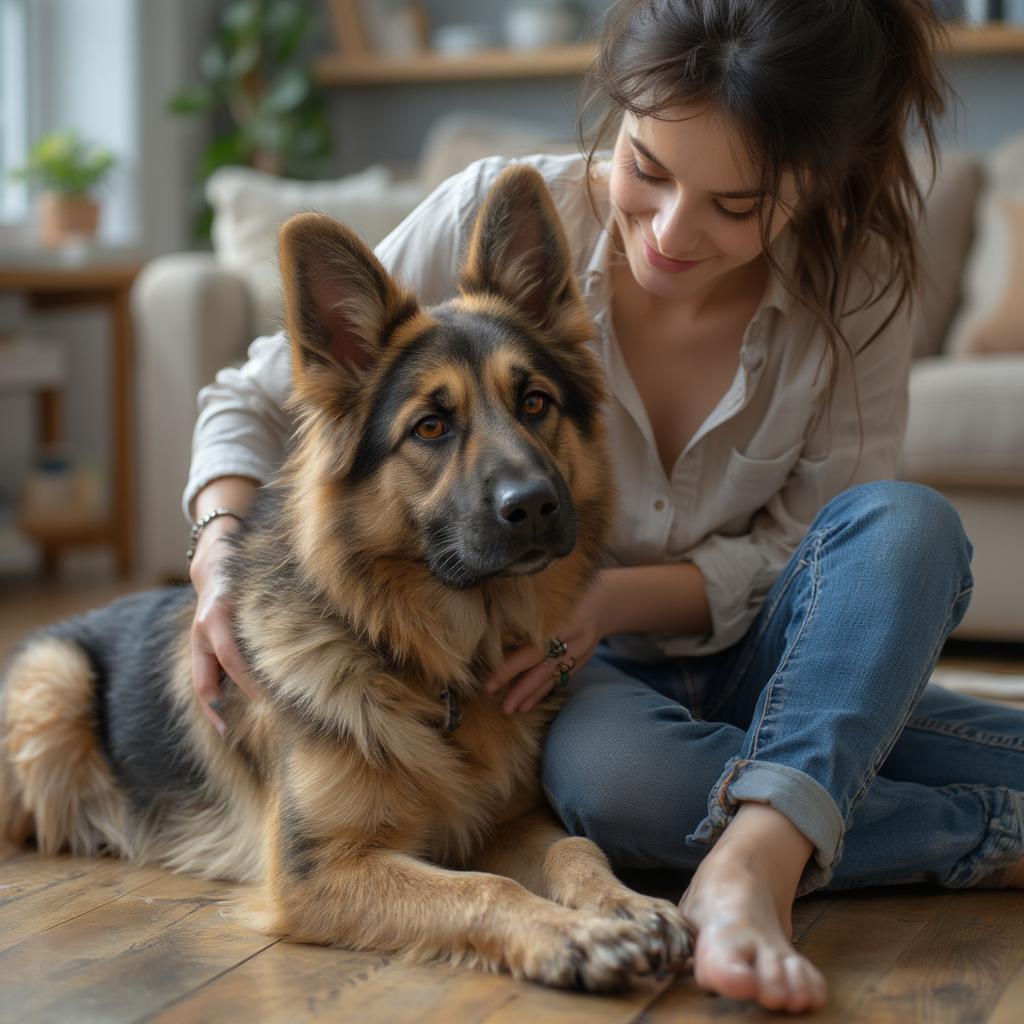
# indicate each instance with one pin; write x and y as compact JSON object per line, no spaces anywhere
{"x":14,"y":105}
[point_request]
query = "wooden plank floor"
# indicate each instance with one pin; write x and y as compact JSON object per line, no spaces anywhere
{"x":102,"y":941}
{"x":99,"y":940}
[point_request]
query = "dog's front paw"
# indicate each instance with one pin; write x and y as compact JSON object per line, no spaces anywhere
{"x":667,"y":935}
{"x":586,"y":951}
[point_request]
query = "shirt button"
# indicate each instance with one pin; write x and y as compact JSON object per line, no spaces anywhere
{"x":659,"y":505}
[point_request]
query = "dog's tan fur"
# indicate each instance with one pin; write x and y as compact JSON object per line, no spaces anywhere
{"x":338,"y":796}
{"x":52,"y":762}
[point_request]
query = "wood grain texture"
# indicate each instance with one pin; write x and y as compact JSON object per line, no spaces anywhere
{"x":127,"y":957}
{"x":100,"y":940}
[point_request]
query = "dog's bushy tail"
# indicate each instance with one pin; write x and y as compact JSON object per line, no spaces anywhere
{"x":55,"y":784}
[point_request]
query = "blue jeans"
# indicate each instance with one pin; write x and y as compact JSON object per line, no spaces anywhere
{"x":823,"y":711}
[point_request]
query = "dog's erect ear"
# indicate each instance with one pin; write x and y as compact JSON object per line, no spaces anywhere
{"x":339,"y":300}
{"x":519,"y":249}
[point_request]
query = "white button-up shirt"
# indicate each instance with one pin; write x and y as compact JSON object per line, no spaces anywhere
{"x":748,"y":483}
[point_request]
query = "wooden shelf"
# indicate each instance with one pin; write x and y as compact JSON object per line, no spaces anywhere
{"x":987,"y":40}
{"x":494,"y":64}
{"x":552,"y":62}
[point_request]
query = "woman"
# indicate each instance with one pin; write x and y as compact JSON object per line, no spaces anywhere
{"x":749,"y":698}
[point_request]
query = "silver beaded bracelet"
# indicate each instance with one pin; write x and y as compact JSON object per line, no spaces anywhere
{"x":197,"y":528}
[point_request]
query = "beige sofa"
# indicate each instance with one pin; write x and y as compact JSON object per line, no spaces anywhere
{"x":196,"y":312}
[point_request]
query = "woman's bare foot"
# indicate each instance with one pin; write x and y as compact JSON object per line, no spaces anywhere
{"x":740,"y":901}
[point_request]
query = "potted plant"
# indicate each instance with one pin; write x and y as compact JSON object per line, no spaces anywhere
{"x":257,"y":88}
{"x":68,"y":170}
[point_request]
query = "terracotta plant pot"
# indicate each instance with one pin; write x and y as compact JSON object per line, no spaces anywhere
{"x":66,"y":218}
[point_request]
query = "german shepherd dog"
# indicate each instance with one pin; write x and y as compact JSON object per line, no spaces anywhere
{"x":445,"y":499}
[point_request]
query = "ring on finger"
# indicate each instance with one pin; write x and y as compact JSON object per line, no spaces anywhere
{"x":556,"y":649}
{"x":562,"y":671}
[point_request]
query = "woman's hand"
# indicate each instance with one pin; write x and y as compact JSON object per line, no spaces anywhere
{"x":213,"y":646}
{"x":532,"y":676}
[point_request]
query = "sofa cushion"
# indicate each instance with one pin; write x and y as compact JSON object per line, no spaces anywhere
{"x":457,"y":139}
{"x":249,"y":206}
{"x":991,"y":319}
{"x":944,"y":239}
{"x":965,"y":426}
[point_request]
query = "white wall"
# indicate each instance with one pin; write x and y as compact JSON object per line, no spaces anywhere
{"x":170,"y":35}
{"x":991,"y":94}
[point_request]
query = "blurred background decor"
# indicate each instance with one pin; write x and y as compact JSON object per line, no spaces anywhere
{"x":257,"y":90}
{"x":348,"y":106}
{"x":534,"y":24}
{"x":67,"y":171}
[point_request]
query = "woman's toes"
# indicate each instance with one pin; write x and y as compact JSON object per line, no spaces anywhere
{"x":726,"y":968}
{"x":818,"y":985}
{"x":773,"y":983}
{"x":807,"y":988}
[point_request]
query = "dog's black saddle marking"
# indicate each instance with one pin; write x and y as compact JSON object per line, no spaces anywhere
{"x":130,"y":646}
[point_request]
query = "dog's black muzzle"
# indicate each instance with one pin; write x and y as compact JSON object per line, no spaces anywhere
{"x":514,"y":526}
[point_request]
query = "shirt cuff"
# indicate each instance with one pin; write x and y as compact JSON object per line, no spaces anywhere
{"x":737,"y":577}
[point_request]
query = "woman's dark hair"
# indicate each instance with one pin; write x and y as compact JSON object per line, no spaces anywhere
{"x":825,"y":89}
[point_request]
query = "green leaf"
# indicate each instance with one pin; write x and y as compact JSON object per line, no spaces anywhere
{"x":224,"y":151}
{"x":202,"y":228}
{"x":242,"y":18}
{"x":244,"y":59}
{"x":286,"y":24}
{"x":312,"y":143}
{"x":213,"y":64}
{"x":194,"y":99}
{"x":64,"y":162}
{"x":288,"y":91}
{"x":267,"y":132}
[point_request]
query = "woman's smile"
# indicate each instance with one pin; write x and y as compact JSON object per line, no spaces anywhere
{"x":667,"y":263}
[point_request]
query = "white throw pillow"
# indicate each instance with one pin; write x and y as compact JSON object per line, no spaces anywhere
{"x":249,"y":206}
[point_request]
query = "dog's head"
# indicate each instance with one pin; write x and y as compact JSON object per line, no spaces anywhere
{"x":466,"y":437}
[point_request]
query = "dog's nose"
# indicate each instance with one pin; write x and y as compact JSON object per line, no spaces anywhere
{"x":523,"y":504}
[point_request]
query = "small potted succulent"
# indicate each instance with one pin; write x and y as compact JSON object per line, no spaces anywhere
{"x":67,"y":170}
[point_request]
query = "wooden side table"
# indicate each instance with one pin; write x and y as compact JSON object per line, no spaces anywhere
{"x":104,"y":279}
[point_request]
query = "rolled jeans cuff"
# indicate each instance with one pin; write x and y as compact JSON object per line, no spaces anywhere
{"x":793,"y":793}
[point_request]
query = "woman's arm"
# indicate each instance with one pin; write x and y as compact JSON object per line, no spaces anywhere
{"x":633,"y":599}
{"x":232,"y":492}
{"x":212,"y":643}
{"x":654,"y":599}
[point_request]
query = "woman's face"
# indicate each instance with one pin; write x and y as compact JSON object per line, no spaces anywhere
{"x":686,"y":202}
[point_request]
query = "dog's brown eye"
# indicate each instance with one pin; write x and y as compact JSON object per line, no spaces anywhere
{"x":535,"y":404}
{"x":430,"y":429}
